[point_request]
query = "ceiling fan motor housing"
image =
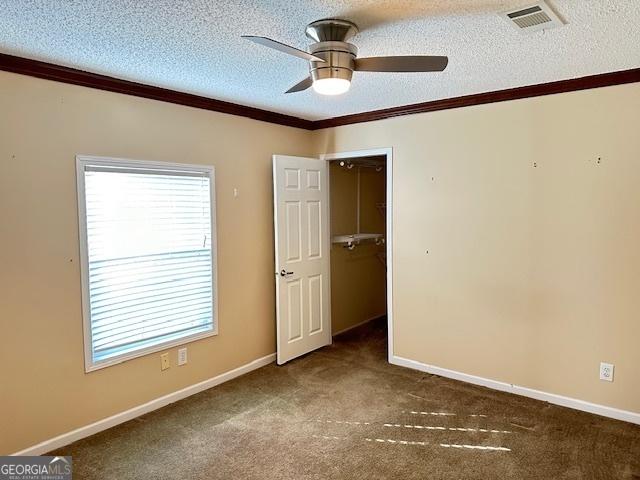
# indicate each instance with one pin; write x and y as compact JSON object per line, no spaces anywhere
{"x":339,"y":60}
{"x":331,"y":45}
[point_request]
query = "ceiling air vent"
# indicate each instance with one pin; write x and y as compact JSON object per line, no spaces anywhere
{"x":534,"y":17}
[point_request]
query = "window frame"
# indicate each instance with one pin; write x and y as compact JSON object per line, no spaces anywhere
{"x":81,"y":162}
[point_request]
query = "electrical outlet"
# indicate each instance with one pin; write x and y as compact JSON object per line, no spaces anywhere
{"x":606,"y":372}
{"x":164,"y":361}
{"x":182,"y":356}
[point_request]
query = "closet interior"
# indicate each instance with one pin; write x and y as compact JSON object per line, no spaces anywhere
{"x":358,"y":252}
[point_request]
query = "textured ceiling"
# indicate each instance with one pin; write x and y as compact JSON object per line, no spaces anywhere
{"x":195,"y":46}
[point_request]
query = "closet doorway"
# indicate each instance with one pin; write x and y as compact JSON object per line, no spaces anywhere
{"x":333,"y":249}
{"x":360,"y":193}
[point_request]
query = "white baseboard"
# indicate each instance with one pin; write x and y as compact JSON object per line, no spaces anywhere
{"x":576,"y":404}
{"x":105,"y":423}
{"x":333,"y":334}
{"x":88,"y":430}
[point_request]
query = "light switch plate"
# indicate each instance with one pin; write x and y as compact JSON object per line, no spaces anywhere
{"x":164,"y":361}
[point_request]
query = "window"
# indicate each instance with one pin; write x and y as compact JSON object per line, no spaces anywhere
{"x":147,"y":245}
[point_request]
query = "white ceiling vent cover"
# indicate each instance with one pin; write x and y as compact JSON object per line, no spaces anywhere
{"x":532,"y":18}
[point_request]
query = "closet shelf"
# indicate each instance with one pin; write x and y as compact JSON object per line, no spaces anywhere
{"x":354,"y":239}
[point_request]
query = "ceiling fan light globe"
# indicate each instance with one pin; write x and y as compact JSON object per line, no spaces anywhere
{"x":331,"y":86}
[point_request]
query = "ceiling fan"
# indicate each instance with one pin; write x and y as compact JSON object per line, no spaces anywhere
{"x":332,"y":60}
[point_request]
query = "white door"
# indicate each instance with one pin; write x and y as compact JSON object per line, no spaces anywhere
{"x":301,"y":210}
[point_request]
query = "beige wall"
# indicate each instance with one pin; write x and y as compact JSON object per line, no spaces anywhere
{"x":531,"y":278}
{"x":43,"y":388}
{"x":533,"y":270}
{"x":358,"y":276}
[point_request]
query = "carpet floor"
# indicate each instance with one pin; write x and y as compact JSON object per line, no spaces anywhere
{"x":343,"y":412}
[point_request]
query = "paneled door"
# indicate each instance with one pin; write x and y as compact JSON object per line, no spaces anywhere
{"x":301,"y":216}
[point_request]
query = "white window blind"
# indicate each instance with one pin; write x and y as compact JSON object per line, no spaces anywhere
{"x":149,"y":263}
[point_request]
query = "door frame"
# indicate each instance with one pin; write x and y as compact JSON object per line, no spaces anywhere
{"x":388,"y":153}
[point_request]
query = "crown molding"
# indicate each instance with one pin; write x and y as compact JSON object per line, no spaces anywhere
{"x":49,"y":71}
{"x":562,"y":86}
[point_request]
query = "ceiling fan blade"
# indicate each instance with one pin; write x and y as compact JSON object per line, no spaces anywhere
{"x":281,"y":47}
{"x":419,"y":63}
{"x":300,"y":86}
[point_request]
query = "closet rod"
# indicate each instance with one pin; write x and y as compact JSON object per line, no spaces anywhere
{"x":349,"y":165}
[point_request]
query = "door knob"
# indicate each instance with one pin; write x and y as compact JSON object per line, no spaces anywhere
{"x":284,"y":273}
